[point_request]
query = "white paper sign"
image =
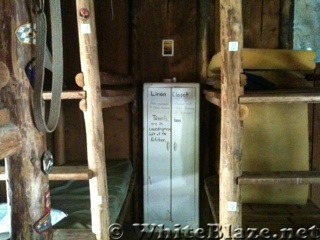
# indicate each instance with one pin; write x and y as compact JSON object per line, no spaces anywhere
{"x":233,"y":46}
{"x":85,"y":28}
{"x":232,"y":206}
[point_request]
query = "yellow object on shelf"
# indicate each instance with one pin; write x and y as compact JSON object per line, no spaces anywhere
{"x":270,"y":59}
{"x":276,"y":139}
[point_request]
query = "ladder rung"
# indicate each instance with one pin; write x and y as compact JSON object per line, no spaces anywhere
{"x":66,"y":95}
{"x":62,"y":173}
{"x":287,"y":177}
{"x":110,"y":98}
{"x":278,"y":97}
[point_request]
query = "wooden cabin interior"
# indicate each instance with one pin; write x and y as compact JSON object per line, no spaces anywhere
{"x":259,"y":151}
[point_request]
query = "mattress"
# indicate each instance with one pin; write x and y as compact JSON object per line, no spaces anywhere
{"x":73,"y":197}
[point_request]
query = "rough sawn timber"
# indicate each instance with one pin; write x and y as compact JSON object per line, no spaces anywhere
{"x":231,"y":125}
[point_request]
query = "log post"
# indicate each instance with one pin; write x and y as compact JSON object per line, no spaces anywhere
{"x":10,"y":140}
{"x":27,"y":184}
{"x":231,"y":41}
{"x":93,"y":118}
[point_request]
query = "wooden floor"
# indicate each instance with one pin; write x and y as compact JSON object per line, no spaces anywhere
{"x":271,"y":216}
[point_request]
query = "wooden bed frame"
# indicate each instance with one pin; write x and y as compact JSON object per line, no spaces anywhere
{"x":99,"y":91}
{"x":226,"y":188}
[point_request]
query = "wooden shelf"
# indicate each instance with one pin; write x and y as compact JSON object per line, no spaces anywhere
{"x":292,"y":178}
{"x":213,"y":97}
{"x":116,"y":97}
{"x":294,"y":96}
{"x":110,"y":98}
{"x":281,"y":97}
{"x":272,"y":216}
{"x":63,"y":173}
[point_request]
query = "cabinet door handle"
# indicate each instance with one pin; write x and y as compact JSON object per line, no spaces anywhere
{"x":175,"y":146}
{"x":168,"y":145}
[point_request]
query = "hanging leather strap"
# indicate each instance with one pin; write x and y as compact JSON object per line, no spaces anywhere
{"x":57,"y":67}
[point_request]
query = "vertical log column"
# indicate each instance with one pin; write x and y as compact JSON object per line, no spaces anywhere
{"x":231,"y":34}
{"x":93,"y":117}
{"x":26,"y":183}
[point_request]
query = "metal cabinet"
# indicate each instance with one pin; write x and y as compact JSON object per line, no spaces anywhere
{"x":171,"y":154}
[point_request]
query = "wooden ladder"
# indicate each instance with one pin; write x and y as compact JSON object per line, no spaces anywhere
{"x":92,"y":100}
{"x":232,"y":102}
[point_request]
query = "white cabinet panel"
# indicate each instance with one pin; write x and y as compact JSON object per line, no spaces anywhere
{"x":171,"y":162}
{"x":158,"y":131}
{"x":183,"y":154}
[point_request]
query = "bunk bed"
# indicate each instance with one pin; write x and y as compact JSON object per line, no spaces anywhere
{"x":69,"y":185}
{"x":93,"y":181}
{"x":226,"y":89}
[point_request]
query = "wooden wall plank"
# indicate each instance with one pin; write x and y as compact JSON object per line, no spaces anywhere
{"x":252,"y":22}
{"x":150,"y":28}
{"x":286,"y":24}
{"x":112,"y":19}
{"x":157,"y":20}
{"x":70,"y":35}
{"x":270,"y":24}
{"x":117,"y":132}
{"x":182,"y":20}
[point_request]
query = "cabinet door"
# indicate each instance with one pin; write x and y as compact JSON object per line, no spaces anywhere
{"x":157,"y":163}
{"x":184,"y":155}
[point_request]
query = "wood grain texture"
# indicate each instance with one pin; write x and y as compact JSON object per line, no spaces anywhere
{"x":286,"y":24}
{"x":182,"y":28}
{"x":154,"y":21}
{"x":66,"y":95}
{"x":4,"y":116}
{"x":27,"y":184}
{"x":10,"y":140}
{"x":4,"y":75}
{"x":291,"y":178}
{"x":71,"y":234}
{"x":66,"y":173}
{"x":94,"y":121}
{"x":280,"y":97}
{"x":252,"y":22}
{"x":202,"y":39}
{"x":59,"y":140}
{"x":231,"y":125}
{"x":270,"y":24}
{"x":113,"y":36}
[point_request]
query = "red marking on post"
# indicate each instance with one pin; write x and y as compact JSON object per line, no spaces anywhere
{"x":84,"y":13}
